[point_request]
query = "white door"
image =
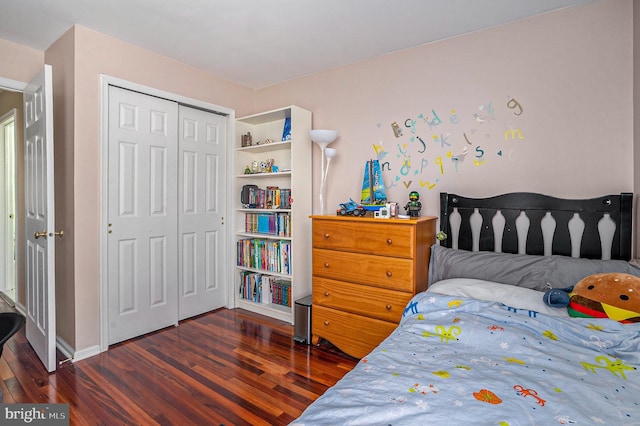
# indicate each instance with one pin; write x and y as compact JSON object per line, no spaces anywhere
{"x":201,"y":204}
{"x":142,"y":214}
{"x":39,"y":221}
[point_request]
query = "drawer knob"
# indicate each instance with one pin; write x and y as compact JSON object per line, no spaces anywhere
{"x":326,"y":294}
{"x":326,"y":236}
{"x":326,"y":264}
{"x":388,"y":307}
{"x":326,"y":322}
{"x":389,"y":273}
{"x":389,"y":241}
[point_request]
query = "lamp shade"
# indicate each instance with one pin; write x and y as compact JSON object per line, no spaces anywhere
{"x":323,"y":137}
{"x":330,"y":152}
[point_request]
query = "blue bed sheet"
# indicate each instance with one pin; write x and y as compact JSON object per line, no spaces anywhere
{"x":461,"y":361}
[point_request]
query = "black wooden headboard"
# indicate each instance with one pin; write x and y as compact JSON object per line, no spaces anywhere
{"x":523,"y":222}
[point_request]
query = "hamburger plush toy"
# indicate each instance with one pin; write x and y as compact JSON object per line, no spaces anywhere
{"x":612,"y":295}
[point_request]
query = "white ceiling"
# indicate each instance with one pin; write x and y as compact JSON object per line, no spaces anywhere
{"x":258,"y":43}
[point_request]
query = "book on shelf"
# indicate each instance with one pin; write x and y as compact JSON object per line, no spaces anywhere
{"x":267,"y":198}
{"x":281,"y":292}
{"x":278,"y":224}
{"x":267,"y":255}
{"x":264,"y":288}
{"x":256,"y":287}
{"x":265,"y":224}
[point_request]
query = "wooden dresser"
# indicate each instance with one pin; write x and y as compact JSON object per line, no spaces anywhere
{"x":365,"y":270}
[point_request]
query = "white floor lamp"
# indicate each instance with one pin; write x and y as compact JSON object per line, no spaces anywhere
{"x":323,"y":138}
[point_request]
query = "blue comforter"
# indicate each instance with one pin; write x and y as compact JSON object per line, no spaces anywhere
{"x":461,"y":361}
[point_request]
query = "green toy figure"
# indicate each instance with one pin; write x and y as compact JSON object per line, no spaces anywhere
{"x":413,"y":207}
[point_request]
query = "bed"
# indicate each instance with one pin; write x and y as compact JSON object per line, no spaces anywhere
{"x":480,"y":346}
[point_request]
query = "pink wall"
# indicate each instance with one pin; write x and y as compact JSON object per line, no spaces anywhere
{"x":571,"y":71}
{"x":19,"y":63}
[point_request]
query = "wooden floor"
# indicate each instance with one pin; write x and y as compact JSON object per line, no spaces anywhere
{"x":228,"y":367}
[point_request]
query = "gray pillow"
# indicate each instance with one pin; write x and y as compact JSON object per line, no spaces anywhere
{"x":523,"y":270}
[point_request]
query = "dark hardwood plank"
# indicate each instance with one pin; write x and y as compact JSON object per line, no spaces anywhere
{"x":227,"y":367}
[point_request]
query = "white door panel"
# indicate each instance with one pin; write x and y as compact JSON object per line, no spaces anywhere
{"x":202,"y":189}
{"x":39,"y":218}
{"x":142,"y":214}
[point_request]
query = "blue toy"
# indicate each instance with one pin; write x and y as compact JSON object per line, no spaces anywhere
{"x":351,"y":208}
{"x":557,"y":297}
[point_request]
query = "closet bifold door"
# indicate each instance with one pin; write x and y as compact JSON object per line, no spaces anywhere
{"x":142,"y":214}
{"x":201,"y":204}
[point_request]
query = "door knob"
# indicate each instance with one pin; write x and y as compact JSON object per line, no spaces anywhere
{"x":57,"y":234}
{"x":42,"y":234}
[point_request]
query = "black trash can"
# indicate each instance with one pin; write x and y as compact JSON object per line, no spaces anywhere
{"x":302,"y":325}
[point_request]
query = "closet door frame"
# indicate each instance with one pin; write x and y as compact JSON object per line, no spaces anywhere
{"x":105,"y":82}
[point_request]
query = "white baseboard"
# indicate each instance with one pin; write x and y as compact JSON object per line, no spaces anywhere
{"x":86,"y":353}
{"x":74,"y":356}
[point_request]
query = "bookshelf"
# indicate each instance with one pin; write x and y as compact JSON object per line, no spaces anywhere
{"x":272,"y":205}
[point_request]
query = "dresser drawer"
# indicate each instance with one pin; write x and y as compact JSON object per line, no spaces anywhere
{"x":353,"y":334}
{"x":387,"y":272}
{"x":395,"y":240}
{"x":373,"y":302}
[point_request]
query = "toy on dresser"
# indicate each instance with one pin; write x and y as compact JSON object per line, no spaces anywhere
{"x":413,"y":207}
